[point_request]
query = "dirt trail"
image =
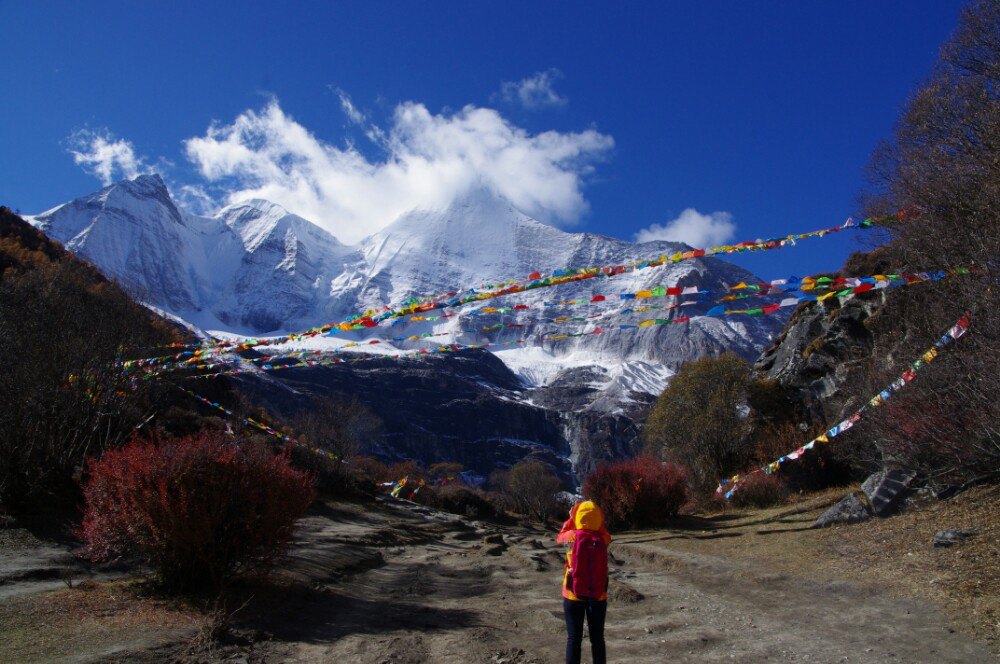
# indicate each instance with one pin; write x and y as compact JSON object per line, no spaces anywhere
{"x":398,"y":583}
{"x":428,"y":589}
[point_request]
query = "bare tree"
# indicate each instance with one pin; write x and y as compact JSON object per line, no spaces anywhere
{"x":335,"y":424}
{"x":531,"y":488}
{"x":941,"y":171}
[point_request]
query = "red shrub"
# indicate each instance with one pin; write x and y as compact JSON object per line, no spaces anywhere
{"x":639,"y":492}
{"x":760,"y":490}
{"x":199,"y":509}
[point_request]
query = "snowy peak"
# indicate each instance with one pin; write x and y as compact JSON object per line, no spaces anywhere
{"x":133,"y":231}
{"x":256,"y":268}
{"x":132,"y":199}
{"x":256,"y":221}
{"x":479,"y":236}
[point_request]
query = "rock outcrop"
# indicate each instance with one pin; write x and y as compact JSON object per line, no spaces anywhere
{"x":817,"y":351}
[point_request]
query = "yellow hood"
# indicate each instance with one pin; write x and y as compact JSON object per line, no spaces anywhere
{"x":588,"y":516}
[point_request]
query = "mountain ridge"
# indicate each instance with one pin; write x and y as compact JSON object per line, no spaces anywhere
{"x":256,"y":268}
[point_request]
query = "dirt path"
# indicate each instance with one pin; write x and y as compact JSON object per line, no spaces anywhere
{"x":431,"y":590}
{"x":401,"y":584}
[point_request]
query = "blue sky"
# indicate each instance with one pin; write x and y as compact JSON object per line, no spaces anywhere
{"x":598,"y":117}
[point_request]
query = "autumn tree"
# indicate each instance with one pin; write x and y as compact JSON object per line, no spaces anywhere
{"x":699,"y":420}
{"x":65,"y":330}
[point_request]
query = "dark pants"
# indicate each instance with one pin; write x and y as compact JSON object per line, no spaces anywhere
{"x":595,"y":612}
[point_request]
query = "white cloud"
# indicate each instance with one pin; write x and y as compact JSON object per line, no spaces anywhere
{"x":105,"y":157}
{"x":431,"y":159}
{"x":693,"y":228}
{"x":193,"y":198}
{"x":350,"y":110}
{"x":534,"y":92}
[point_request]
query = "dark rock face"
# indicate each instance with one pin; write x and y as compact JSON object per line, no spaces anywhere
{"x":849,"y":510}
{"x":820,"y":346}
{"x":464,"y":407}
{"x":598,"y":424}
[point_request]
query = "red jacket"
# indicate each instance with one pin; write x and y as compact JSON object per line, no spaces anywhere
{"x":583,"y":516}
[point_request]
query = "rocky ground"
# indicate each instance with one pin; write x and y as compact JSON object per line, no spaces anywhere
{"x":398,"y":583}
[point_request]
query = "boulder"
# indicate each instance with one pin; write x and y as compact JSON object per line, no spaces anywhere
{"x":493,"y":538}
{"x":951,"y":536}
{"x":869,"y":485}
{"x":886,"y":490}
{"x":851,"y":509}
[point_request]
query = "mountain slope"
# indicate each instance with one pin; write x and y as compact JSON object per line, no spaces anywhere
{"x":255,"y":268}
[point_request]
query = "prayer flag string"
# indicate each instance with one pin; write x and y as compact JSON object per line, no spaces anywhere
{"x":322,"y":358}
{"x":252,"y":423}
{"x":534,"y":281}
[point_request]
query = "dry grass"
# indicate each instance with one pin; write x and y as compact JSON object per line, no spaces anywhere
{"x":895,"y":555}
{"x":86,"y":620}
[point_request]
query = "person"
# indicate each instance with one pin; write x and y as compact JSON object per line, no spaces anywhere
{"x":585,"y":523}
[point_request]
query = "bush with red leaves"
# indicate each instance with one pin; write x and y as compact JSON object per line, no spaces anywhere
{"x":639,"y":492}
{"x":199,"y":509}
{"x":760,"y":490}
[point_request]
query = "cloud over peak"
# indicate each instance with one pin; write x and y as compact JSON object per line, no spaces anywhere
{"x":106,"y":157}
{"x":693,"y":228}
{"x":430,"y":160}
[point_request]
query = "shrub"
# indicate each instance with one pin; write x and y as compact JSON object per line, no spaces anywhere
{"x":199,"y":509}
{"x":701,"y":419}
{"x":639,"y":492}
{"x":462,"y":500}
{"x":531,"y":488}
{"x":824,"y":466}
{"x":368,"y":471}
{"x":761,"y":490}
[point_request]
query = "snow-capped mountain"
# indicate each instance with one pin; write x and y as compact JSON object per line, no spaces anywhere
{"x":256,"y":268}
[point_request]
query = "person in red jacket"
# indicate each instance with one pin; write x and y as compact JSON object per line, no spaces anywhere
{"x":585,"y":516}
